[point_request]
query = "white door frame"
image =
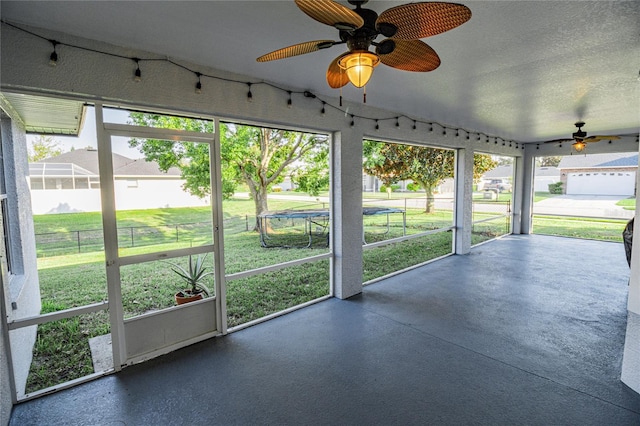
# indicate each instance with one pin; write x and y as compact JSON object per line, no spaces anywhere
{"x":120,"y":326}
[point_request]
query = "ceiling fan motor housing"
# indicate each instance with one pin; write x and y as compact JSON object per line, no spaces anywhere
{"x":580,"y":134}
{"x":361,"y":38}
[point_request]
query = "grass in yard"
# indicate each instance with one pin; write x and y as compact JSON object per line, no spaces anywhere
{"x":485,"y":231}
{"x":539,"y":196}
{"x":576,"y":227}
{"x":261,"y":295}
{"x":61,"y":351}
{"x":71,"y":233}
{"x":627,"y":203}
{"x":380,"y":261}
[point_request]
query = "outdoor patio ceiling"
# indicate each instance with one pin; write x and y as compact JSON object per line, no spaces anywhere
{"x":523,"y":71}
{"x":46,"y":115}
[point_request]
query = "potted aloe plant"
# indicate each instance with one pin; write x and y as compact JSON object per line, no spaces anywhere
{"x":193,"y":275}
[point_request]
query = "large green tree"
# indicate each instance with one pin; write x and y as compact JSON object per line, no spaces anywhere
{"x":258,"y":157}
{"x":263,"y":156}
{"x":428,"y":167}
{"x":313,"y":177}
{"x":549,"y":161}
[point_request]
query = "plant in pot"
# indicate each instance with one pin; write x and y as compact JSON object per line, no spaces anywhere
{"x":193,"y":275}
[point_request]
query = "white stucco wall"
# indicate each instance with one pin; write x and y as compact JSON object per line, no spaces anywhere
{"x":24,"y":289}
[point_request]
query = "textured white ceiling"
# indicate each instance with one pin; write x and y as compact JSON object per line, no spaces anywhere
{"x":519,"y":70}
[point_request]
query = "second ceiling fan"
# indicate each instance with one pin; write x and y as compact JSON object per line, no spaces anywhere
{"x":358,"y":28}
{"x":580,"y":139}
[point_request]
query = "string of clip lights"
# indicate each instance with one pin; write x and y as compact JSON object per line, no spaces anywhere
{"x":54,"y":59}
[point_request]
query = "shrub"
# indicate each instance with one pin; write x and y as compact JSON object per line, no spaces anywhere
{"x":414,"y":187}
{"x":555,"y":188}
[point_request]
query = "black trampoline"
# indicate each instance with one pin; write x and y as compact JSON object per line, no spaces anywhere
{"x":308,"y":228}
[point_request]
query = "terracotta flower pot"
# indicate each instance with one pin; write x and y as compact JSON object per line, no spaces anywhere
{"x":183,"y":297}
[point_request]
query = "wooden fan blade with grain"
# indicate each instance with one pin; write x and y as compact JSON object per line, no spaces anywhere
{"x":331,"y":13}
{"x":296,"y":49}
{"x":411,"y":55}
{"x":559,"y":141}
{"x":598,"y":138}
{"x":336,"y":77}
{"x":419,"y":20}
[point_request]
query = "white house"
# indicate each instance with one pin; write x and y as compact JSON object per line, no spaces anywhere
{"x":69,"y":183}
{"x":544,"y":176}
{"x":599,"y":174}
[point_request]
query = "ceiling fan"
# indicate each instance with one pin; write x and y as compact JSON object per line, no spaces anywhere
{"x":358,"y":28}
{"x":580,"y":138}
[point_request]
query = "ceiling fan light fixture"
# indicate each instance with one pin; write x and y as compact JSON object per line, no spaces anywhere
{"x":359,"y":66}
{"x":579,"y":146}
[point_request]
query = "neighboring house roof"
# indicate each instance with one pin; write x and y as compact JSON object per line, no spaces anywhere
{"x":499,"y":172}
{"x":547,"y":171}
{"x":87,"y":161}
{"x":142,"y":167}
{"x":591,"y":161}
{"x":86,"y":158}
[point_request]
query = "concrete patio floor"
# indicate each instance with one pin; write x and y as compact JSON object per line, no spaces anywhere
{"x":525,"y":330}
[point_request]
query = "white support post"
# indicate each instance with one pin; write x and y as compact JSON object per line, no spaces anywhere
{"x":521,"y":191}
{"x":526,"y":211}
{"x":464,"y":200}
{"x":218,"y":233}
{"x":346,"y":205}
{"x":110,"y":231}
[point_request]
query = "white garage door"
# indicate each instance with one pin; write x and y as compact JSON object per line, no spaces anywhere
{"x":601,"y":183}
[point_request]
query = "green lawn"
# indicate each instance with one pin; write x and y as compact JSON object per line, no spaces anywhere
{"x":539,"y":196}
{"x":576,"y":227}
{"x":627,"y":203}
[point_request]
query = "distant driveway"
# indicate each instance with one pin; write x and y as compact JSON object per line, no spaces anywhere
{"x":583,"y":205}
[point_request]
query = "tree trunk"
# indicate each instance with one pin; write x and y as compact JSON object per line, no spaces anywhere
{"x":430,"y":200}
{"x":260,"y":201}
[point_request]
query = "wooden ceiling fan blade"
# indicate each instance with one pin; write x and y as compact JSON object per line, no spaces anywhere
{"x":336,"y":77}
{"x":331,"y":13}
{"x":296,"y":49}
{"x":559,"y":141}
{"x":411,"y":55}
{"x":598,"y":138}
{"x":419,"y":20}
